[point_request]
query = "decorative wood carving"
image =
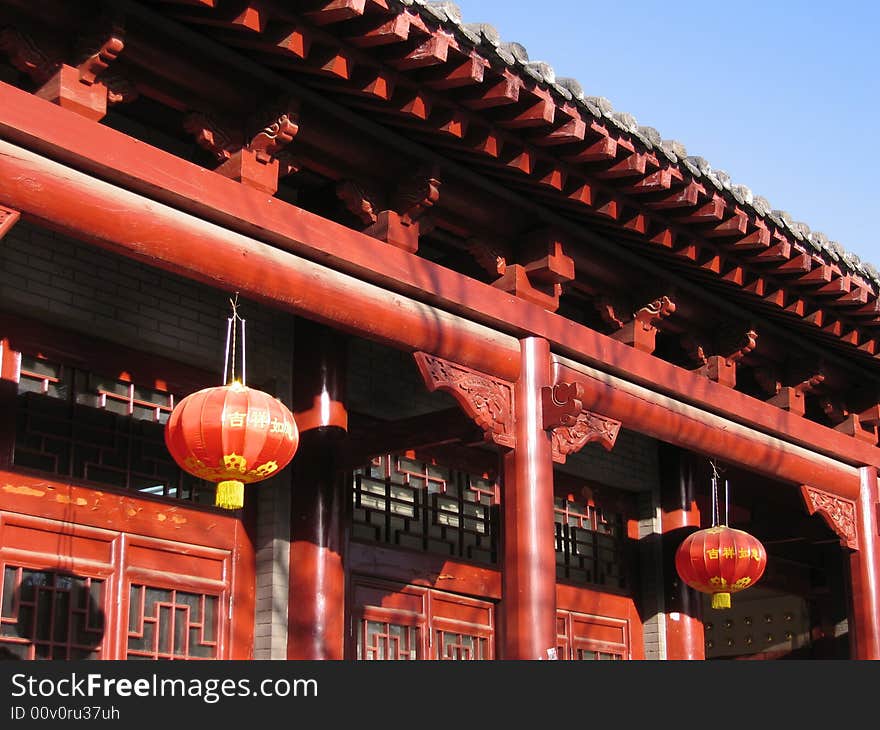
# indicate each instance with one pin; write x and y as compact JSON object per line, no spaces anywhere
{"x":721,"y":367}
{"x":358,"y":201}
{"x":8,"y":218}
{"x":97,"y":51}
{"x":839,"y":513}
{"x":487,"y":400}
{"x":37,"y":59}
{"x":638,"y":330}
{"x":588,"y":427}
{"x":217,"y":136}
{"x":561,"y":405}
{"x":256,"y":158}
{"x":491,"y":255}
{"x":571,"y":427}
{"x":399,"y":217}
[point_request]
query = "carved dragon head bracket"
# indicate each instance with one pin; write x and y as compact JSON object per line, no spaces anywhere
{"x":638,"y":329}
{"x":731,"y":345}
{"x":399,"y":216}
{"x":79,"y":75}
{"x":255,"y":151}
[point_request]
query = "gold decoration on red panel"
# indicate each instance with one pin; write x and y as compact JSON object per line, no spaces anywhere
{"x":231,"y":434}
{"x":720,"y":560}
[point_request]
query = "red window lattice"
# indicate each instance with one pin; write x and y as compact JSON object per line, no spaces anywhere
{"x":590,"y":544}
{"x":50,"y":615}
{"x":171,"y":624}
{"x":405,"y":622}
{"x":425,"y":506}
{"x":72,"y":423}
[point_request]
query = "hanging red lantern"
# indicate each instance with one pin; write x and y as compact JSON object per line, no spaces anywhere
{"x":231,"y":434}
{"x":720,"y":560}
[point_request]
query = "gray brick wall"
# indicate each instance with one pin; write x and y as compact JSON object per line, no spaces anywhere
{"x":273,"y":568}
{"x":385,"y":383}
{"x":631,"y":465}
{"x":47,"y":276}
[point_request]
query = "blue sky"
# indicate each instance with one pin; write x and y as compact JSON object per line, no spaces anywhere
{"x":781,"y":95}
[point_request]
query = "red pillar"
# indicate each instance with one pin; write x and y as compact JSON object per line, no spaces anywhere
{"x":679,"y":516}
{"x":864,"y":564}
{"x":529,"y":570}
{"x":316,"y":609}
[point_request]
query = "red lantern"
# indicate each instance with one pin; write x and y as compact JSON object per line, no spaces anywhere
{"x":232,"y":435}
{"x":720,"y":560}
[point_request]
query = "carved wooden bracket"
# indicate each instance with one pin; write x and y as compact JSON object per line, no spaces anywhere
{"x":640,"y":329}
{"x":862,"y":426}
{"x":37,"y":59}
{"x":487,"y":400}
{"x":539,"y":280}
{"x":722,"y":368}
{"x":400,"y":218}
{"x":8,"y":218}
{"x":571,"y":427}
{"x":255,"y":159}
{"x":84,"y":86}
{"x":791,"y":398}
{"x":839,"y":513}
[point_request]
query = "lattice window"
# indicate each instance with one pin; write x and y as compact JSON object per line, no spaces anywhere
{"x":171,"y":624}
{"x":601,"y":655}
{"x":75,"y":424}
{"x":451,"y":645}
{"x":384,"y":640}
{"x":50,"y":615}
{"x":424,"y":506}
{"x":589,"y":544}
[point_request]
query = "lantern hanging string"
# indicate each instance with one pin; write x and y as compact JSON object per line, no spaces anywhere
{"x":716,"y":506}
{"x":231,"y":337}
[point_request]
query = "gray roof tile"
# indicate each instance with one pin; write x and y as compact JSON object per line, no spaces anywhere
{"x":515,"y":54}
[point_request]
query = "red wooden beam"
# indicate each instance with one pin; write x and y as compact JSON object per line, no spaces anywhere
{"x":133,"y":164}
{"x":229,"y":261}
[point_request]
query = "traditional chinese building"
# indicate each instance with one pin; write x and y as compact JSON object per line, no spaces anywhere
{"x":520,"y":335}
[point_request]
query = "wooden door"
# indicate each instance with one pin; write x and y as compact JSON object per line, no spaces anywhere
{"x":86,"y":574}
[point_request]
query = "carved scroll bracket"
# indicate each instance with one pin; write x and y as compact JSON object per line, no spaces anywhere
{"x":399,"y":218}
{"x":839,"y":513}
{"x":639,"y":330}
{"x":571,"y":427}
{"x":254,"y":158}
{"x":8,"y":218}
{"x":487,"y":400}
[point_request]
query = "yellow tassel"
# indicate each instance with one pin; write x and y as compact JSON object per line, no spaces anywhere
{"x":720,"y":600}
{"x":230,"y":494}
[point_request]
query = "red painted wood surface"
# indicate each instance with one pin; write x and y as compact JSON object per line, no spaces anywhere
{"x":608,"y":608}
{"x":316,"y":607}
{"x":690,"y":428}
{"x":864,"y":566}
{"x":679,"y":515}
{"x":529,"y":576}
{"x":53,"y":525}
{"x":153,"y":234}
{"x":117,"y":157}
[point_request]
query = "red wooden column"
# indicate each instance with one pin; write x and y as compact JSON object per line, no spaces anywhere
{"x":528,"y":623}
{"x":864,"y":564}
{"x":679,"y":516}
{"x":316,"y":608}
